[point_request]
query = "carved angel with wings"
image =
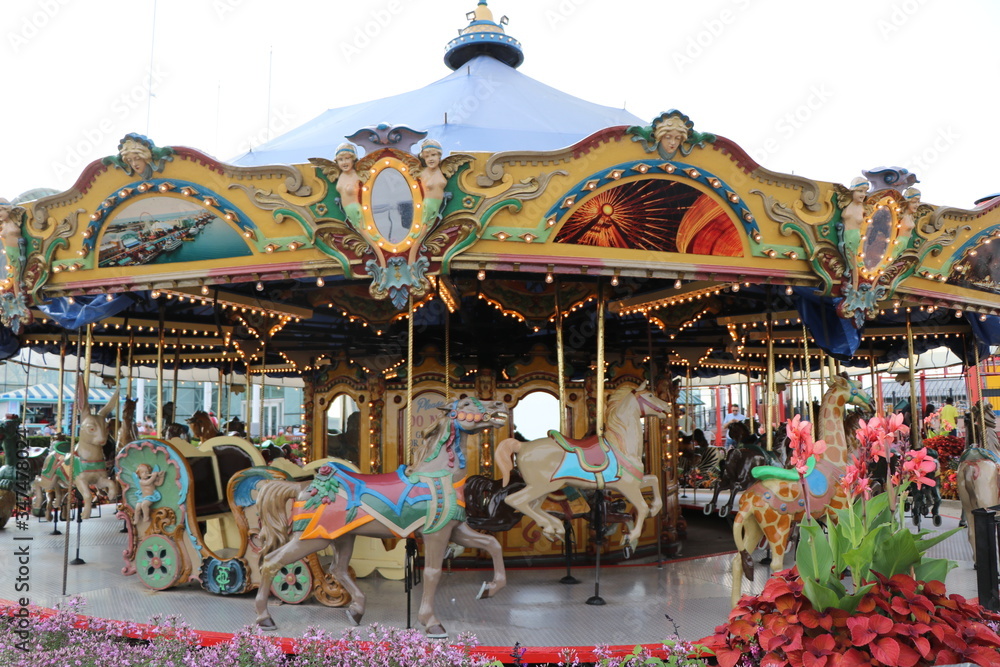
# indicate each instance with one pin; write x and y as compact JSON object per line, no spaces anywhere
{"x":433,"y":174}
{"x":853,"y":211}
{"x":343,"y":172}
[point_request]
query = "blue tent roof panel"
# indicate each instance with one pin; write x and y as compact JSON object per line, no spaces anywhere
{"x":49,"y":393}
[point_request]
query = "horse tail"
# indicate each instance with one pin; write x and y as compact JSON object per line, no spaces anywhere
{"x":272,"y":502}
{"x":505,"y":457}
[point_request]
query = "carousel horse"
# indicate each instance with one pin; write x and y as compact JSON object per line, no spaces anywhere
{"x":425,"y":499}
{"x":171,"y":428}
{"x":86,"y":466}
{"x":549,"y":464}
{"x":696,"y":457}
{"x":734,"y":472}
{"x":127,"y":431}
{"x":769,"y":508}
{"x":926,"y":500}
{"x":978,"y":475}
{"x":202,"y":426}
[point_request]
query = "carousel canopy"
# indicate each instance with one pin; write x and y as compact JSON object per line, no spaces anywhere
{"x":49,"y":393}
{"x":484,"y":105}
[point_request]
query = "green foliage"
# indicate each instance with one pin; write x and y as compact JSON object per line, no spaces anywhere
{"x":864,"y":537}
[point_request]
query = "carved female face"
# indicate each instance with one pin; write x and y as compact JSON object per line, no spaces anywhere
{"x":671,"y":140}
{"x":346,"y":162}
{"x":431,"y":157}
{"x":136,"y":162}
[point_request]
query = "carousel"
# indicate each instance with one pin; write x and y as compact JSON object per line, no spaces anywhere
{"x":436,"y":271}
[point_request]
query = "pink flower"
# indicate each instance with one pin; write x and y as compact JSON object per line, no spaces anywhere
{"x":917,"y":465}
{"x":856,"y":478}
{"x":895,"y":425}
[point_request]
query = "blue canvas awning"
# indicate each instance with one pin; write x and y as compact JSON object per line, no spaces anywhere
{"x":49,"y":393}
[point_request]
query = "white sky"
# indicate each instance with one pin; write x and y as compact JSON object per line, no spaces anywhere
{"x":819,"y":89}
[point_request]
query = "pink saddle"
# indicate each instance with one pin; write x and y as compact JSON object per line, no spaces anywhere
{"x":590,"y":449}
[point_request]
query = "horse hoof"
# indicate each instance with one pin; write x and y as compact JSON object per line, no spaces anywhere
{"x":627,"y":551}
{"x":937,"y":520}
{"x":724,"y":512}
{"x":708,"y":509}
{"x":353,"y":617}
{"x":484,"y":591}
{"x":267,"y":625}
{"x":437,"y":632}
{"x":962,"y":523}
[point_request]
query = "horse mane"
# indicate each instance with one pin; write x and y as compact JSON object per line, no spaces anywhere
{"x":427,"y":442}
{"x":614,"y":421}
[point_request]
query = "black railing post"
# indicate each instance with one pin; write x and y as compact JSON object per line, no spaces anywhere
{"x":987,"y":577}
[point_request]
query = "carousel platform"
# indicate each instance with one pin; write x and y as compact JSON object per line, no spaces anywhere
{"x":535,"y":610}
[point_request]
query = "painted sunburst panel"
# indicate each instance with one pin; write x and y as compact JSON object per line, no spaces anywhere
{"x":653,"y":214}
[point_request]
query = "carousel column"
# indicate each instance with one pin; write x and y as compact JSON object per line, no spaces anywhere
{"x":561,"y":365}
{"x":769,"y":393}
{"x":60,"y":401}
{"x":655,"y":455}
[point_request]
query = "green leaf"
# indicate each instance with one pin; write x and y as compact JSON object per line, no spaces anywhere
{"x":896,"y":555}
{"x":813,"y":555}
{"x":933,"y":569}
{"x":821,"y":597}
{"x":860,"y":558}
{"x":923,"y":544}
{"x":850,"y":602}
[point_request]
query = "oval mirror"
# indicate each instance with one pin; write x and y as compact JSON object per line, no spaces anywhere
{"x":392,"y":205}
{"x":877,"y":237}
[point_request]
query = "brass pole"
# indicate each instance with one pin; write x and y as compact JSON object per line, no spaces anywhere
{"x":807,"y":374}
{"x":561,"y":364}
{"x":600,"y":358}
{"x":874,"y":375}
{"x":769,"y":401}
{"x":263,"y":385}
{"x":914,"y":414}
{"x":118,"y":381}
{"x":71,"y":497}
{"x":222,"y":387}
{"x":982,"y":396}
{"x":409,"y":383}
{"x":27,"y":384}
{"x":159,"y":373}
{"x":177,"y":370}
{"x":60,"y":402}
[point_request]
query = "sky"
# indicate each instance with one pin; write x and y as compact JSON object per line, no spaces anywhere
{"x":821,"y":90}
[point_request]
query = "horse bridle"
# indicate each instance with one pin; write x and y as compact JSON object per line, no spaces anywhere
{"x":644,"y":402}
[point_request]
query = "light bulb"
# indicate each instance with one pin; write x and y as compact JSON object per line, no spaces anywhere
{"x":614,"y":281}
{"x":204,"y":289}
{"x":482,"y":274}
{"x":548,"y":277}
{"x":678,"y":284}
{"x":788,"y":290}
{"x":736,"y":287}
{"x":319,"y":281}
{"x":260,"y":286}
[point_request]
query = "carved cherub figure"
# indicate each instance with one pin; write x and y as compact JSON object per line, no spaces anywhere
{"x":149,"y":479}
{"x":433,"y":176}
{"x":11,"y":217}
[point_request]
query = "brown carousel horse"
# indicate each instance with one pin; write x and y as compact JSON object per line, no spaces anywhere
{"x":339,"y":504}
{"x":549,"y":464}
{"x":978,"y":475}
{"x":770,"y":508}
{"x":202,"y":426}
{"x":127,"y":431}
{"x":87,"y":465}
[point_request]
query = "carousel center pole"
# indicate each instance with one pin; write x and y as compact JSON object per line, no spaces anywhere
{"x":596,"y":599}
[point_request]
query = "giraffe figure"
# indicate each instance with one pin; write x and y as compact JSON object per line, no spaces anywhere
{"x":769,"y":508}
